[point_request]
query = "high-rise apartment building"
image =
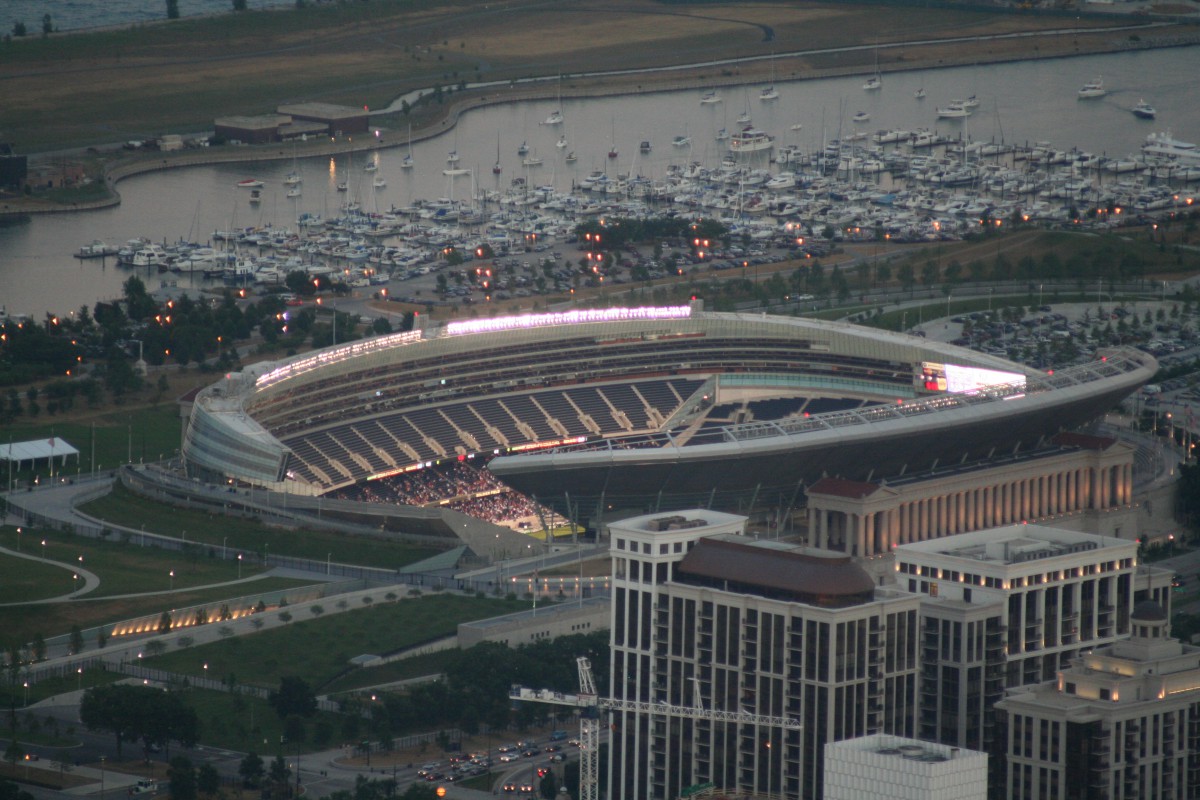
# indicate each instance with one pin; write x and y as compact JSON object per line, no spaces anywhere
{"x":707,"y":619}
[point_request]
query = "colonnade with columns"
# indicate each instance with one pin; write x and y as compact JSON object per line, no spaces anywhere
{"x":869,"y":519}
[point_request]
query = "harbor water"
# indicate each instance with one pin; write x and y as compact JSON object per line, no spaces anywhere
{"x":1019,"y":103}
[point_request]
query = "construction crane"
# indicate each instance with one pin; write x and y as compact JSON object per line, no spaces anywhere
{"x":589,"y":704}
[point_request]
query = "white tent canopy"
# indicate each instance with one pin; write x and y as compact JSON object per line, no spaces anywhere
{"x":36,"y":450}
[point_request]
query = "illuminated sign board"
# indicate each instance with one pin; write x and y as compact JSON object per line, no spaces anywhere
{"x":956,"y":379}
{"x":576,"y":317}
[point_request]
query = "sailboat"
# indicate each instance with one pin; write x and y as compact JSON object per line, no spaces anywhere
{"x":612,"y":150}
{"x":744,"y":117}
{"x":875,"y":82}
{"x":292,"y":179}
{"x":379,"y":182}
{"x":769,"y":91}
{"x":919,"y":93}
{"x":496,"y":168}
{"x":556,"y":116}
{"x":407,"y":161}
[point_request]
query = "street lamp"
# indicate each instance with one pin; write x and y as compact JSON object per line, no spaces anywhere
{"x":239,"y":566}
{"x":79,"y":678}
{"x":75,"y":584}
{"x":18,"y":538}
{"x":172,"y":574}
{"x":26,"y":693}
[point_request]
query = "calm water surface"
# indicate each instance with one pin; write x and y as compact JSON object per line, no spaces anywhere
{"x":1021,"y":102}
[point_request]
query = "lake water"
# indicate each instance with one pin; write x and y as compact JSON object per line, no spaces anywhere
{"x":75,"y":15}
{"x":1020,"y":102}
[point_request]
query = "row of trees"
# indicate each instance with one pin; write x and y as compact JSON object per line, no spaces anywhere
{"x":140,"y":714}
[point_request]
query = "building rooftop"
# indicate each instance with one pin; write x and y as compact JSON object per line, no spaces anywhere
{"x":776,"y":569}
{"x":1012,"y":544}
{"x":261,"y":122}
{"x":321,"y":110}
{"x":675,"y":521}
{"x":840,"y":487}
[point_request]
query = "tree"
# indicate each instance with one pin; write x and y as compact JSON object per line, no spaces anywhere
{"x":76,"y":640}
{"x":47,"y":25}
{"x":239,"y":5}
{"x":421,"y":790}
{"x":14,"y":752}
{"x":10,"y":791}
{"x":548,"y":787}
{"x":172,"y":9}
{"x":19,"y":29}
{"x":39,"y":648}
{"x":133,"y":713}
{"x":181,"y":777}
{"x":278,"y":776}
{"x":294,"y":696}
{"x":208,"y":780}
{"x":293,"y":728}
{"x":251,"y":771}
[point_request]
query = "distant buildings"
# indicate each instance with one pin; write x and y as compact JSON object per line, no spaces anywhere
{"x":706,"y":619}
{"x":884,"y":767}
{"x":293,"y":121}
{"x":1122,"y":722}
{"x":1009,"y":607}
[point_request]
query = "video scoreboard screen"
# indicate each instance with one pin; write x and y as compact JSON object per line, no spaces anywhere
{"x":956,"y":379}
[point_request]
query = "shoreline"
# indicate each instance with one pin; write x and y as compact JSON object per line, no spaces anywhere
{"x":442,"y":120}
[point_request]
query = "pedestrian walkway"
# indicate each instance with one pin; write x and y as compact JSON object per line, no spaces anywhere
{"x":90,"y":580}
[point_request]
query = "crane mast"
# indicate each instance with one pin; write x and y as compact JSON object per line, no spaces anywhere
{"x":589,"y":704}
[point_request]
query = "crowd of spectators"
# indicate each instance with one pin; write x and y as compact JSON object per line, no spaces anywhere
{"x":462,"y":486}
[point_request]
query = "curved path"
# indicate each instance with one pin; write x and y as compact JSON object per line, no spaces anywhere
{"x":91,"y":581}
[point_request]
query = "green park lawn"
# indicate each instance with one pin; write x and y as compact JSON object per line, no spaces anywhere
{"x":146,"y":433}
{"x":124,"y":567}
{"x":19,"y":624}
{"x":320,"y":650}
{"x":123,"y":507}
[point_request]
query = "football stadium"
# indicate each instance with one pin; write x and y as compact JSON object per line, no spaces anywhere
{"x":645,"y":409}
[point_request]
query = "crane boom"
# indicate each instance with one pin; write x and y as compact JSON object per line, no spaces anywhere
{"x":590,"y":703}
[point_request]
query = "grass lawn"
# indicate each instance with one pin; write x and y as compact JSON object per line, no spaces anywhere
{"x":406,"y":669}
{"x":250,"y":535}
{"x":320,"y":649}
{"x":20,"y":624}
{"x":146,"y":433}
{"x":123,"y":567}
{"x":16,"y":696}
{"x":22,"y":580}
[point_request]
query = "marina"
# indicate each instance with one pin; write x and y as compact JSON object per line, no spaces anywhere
{"x":1027,"y":148}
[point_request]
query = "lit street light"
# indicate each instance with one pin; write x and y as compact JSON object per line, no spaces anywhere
{"x":26,"y":693}
{"x":18,"y":538}
{"x":239,"y":566}
{"x":172,"y":574}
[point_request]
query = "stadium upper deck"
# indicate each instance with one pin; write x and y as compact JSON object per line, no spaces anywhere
{"x":622,"y":403}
